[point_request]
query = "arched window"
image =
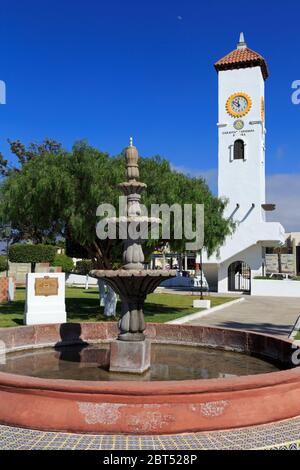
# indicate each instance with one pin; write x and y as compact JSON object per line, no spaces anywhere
{"x":239,"y":150}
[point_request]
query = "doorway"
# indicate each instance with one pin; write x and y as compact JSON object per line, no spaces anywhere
{"x":239,"y":277}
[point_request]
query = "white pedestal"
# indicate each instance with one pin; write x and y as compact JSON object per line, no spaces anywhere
{"x":201,"y":303}
{"x":42,"y":309}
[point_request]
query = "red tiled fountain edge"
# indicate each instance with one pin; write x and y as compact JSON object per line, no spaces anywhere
{"x":149,"y":407}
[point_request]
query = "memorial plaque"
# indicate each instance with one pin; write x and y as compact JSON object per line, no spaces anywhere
{"x":272,"y":264}
{"x":287,"y":264}
{"x":46,"y":286}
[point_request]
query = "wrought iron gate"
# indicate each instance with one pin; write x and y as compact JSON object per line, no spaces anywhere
{"x":239,"y":277}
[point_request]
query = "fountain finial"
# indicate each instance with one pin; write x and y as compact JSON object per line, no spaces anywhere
{"x":131,"y":157}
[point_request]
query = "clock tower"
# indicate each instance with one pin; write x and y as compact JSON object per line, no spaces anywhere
{"x":241,"y":171}
{"x":241,"y":126}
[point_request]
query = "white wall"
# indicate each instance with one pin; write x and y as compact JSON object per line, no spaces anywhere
{"x":211,"y":274}
{"x":276,"y":288}
{"x":244,"y":237}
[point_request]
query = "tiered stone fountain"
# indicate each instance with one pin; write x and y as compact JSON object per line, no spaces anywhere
{"x":131,"y":351}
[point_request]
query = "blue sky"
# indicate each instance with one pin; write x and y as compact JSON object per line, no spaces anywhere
{"x":103,"y":71}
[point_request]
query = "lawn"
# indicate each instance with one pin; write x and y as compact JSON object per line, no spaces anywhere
{"x":298,"y":336}
{"x":83,"y":305}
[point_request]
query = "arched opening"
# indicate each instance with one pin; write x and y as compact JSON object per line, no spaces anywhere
{"x":239,"y":277}
{"x":239,"y":150}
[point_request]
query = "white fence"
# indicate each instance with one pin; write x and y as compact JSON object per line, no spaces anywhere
{"x":79,"y":280}
{"x":285,"y":288}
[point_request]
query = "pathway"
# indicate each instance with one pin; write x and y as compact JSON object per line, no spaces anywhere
{"x":273,"y":315}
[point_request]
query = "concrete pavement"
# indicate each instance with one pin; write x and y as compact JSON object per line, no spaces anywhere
{"x":273,"y":315}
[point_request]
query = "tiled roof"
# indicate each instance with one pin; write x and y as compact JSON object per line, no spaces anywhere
{"x":242,"y":58}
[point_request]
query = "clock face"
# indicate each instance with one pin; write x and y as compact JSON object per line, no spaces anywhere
{"x":239,"y":104}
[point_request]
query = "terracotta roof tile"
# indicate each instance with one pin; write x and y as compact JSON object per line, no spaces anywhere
{"x":242,"y":58}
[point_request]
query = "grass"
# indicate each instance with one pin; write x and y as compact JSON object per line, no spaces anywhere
{"x":83,"y":305}
{"x":298,"y":336}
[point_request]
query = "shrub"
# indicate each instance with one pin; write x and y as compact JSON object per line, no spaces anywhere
{"x":84,"y":266}
{"x":3,"y":263}
{"x":32,"y":254}
{"x":277,"y":277}
{"x":65,"y":262}
{"x":262,"y":278}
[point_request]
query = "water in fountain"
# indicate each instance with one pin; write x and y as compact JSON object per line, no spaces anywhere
{"x":168,"y":362}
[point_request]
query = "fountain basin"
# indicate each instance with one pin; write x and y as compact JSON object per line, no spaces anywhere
{"x":159,"y":407}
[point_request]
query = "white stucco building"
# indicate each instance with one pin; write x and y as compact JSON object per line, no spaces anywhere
{"x":241,"y":171}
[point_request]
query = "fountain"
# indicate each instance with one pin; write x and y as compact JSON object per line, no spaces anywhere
{"x":96,"y":377}
{"x":131,"y":351}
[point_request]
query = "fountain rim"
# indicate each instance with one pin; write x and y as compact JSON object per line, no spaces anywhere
{"x":163,"y":407}
{"x":159,"y":388}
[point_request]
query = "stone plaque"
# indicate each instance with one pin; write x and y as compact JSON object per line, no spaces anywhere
{"x":46,"y":286}
{"x":287,"y":264}
{"x":272,"y":263}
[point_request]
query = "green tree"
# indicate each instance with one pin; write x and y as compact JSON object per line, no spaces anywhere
{"x":34,"y":191}
{"x":56,"y":193}
{"x":64,"y":261}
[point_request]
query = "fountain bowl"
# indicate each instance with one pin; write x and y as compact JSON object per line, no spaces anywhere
{"x":133,"y":407}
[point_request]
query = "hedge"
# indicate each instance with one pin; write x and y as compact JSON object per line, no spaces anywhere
{"x":3,"y":263}
{"x":32,"y":253}
{"x":65,"y":262}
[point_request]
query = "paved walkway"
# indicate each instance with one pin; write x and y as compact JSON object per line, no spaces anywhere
{"x":283,"y":435}
{"x":273,"y":315}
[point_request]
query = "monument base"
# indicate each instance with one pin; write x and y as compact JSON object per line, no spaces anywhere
{"x":45,"y":299}
{"x":133,"y":357}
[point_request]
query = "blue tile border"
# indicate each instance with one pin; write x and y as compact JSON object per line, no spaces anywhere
{"x":284,"y":435}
